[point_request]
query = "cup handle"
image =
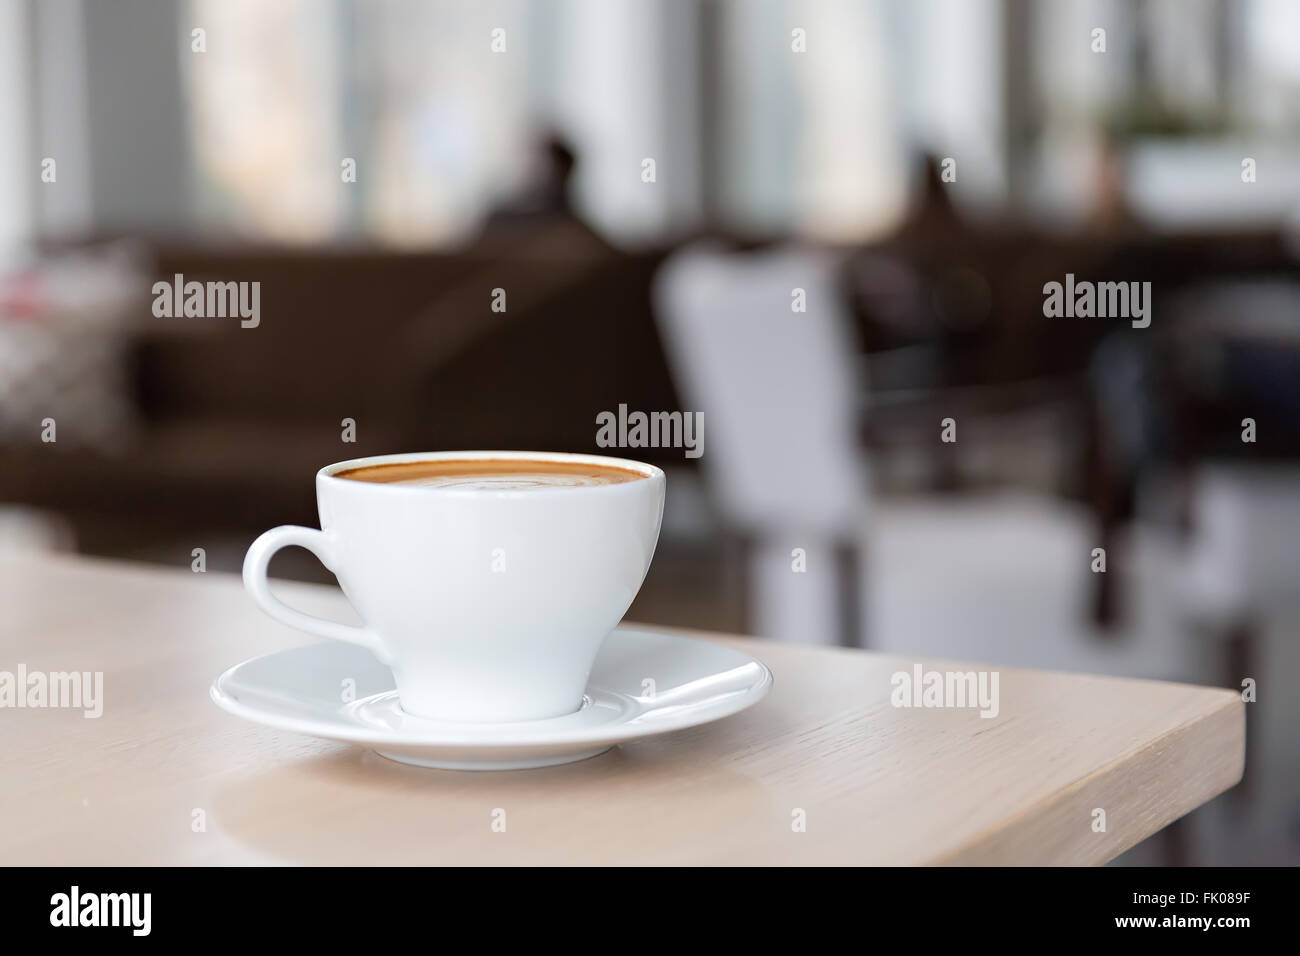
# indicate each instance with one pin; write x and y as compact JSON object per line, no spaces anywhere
{"x":320,"y":544}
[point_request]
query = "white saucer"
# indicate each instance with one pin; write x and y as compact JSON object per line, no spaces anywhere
{"x":301,"y":690}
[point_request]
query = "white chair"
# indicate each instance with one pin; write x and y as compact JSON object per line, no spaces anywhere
{"x":780,"y":394}
{"x":1241,"y":581}
{"x":1241,"y":563}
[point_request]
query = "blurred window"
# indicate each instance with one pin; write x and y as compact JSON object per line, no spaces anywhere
{"x":266,"y":122}
{"x":439,"y":125}
{"x":408,"y":91}
{"x":1268,"y":83}
{"x":824,"y":140}
{"x":801,"y":116}
{"x":1184,"y":91}
{"x":436,"y":102}
{"x":15,"y":208}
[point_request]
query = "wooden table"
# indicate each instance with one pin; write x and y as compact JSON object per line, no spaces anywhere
{"x":164,"y":777}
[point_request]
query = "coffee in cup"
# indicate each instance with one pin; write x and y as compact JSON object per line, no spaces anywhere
{"x":508,"y":474}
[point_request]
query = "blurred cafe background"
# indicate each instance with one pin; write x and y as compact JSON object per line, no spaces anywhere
{"x":826,"y":225}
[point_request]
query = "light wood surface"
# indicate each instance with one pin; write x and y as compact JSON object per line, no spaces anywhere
{"x":875,"y":783}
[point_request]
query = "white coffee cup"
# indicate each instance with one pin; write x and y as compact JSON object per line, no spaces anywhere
{"x":488,"y":604}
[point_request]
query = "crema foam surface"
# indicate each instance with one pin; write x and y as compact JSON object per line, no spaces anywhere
{"x":493,"y":474}
{"x":518,"y":482}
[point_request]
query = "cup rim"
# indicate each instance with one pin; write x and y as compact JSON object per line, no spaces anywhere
{"x":329,"y":474}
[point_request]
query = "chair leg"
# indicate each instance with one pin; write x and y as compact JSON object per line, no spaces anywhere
{"x":1105,"y":598}
{"x":1176,"y":842}
{"x":848,"y":566}
{"x":738,"y":549}
{"x":1105,"y":493}
{"x":1241,"y":660}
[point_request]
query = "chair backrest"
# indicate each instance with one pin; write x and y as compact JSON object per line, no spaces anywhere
{"x":1247,"y":520}
{"x":779,"y":388}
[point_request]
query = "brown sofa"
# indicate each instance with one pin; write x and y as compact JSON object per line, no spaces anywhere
{"x":234,"y":421}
